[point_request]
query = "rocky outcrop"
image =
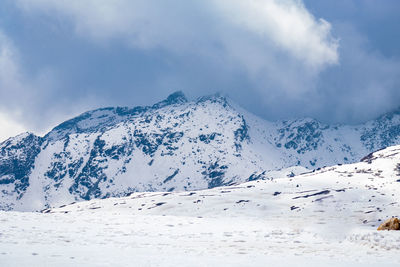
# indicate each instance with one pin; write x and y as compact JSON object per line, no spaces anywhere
{"x":390,"y":224}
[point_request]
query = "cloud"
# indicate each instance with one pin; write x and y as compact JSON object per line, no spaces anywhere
{"x":12,"y":87}
{"x":9,"y":127}
{"x":279,"y":59}
{"x":208,"y":27}
{"x":287,"y":24}
{"x":27,"y":101}
{"x":9,"y":71}
{"x":177,"y":24}
{"x":364,"y":86}
{"x":15,"y":92}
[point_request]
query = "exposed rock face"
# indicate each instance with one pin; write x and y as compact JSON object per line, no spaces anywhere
{"x":390,"y":224}
{"x":17,"y":158}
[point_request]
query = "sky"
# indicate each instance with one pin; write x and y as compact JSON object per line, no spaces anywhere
{"x":336,"y":61}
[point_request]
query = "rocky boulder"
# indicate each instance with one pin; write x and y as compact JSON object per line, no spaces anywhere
{"x":390,"y":224}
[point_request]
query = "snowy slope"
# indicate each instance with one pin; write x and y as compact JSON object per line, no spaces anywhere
{"x":323,"y":218}
{"x":359,"y":194}
{"x":174,"y":145}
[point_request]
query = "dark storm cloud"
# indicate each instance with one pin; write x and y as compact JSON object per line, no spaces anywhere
{"x":366,"y":83}
{"x":276,"y":58}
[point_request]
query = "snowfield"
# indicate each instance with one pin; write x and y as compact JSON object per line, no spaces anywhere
{"x":323,"y":218}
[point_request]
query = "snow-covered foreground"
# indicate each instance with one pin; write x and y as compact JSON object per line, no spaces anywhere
{"x":123,"y":239}
{"x":325,"y":218}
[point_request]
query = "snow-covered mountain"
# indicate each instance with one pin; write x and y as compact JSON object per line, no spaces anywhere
{"x":324,"y":218}
{"x":174,"y":145}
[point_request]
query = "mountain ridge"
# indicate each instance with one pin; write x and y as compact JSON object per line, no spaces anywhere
{"x":173,"y":145}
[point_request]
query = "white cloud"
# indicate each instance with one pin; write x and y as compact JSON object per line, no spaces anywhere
{"x":286,"y":23}
{"x":11,"y":89}
{"x":9,"y":69}
{"x":22,"y":98}
{"x":9,"y":127}
{"x":272,"y":56}
{"x":273,"y":26}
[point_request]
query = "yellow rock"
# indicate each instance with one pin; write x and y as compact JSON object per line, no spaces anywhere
{"x":391,"y":224}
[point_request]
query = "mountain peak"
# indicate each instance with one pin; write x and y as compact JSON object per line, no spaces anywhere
{"x":214,"y":98}
{"x":175,"y":98}
{"x":18,"y":138}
